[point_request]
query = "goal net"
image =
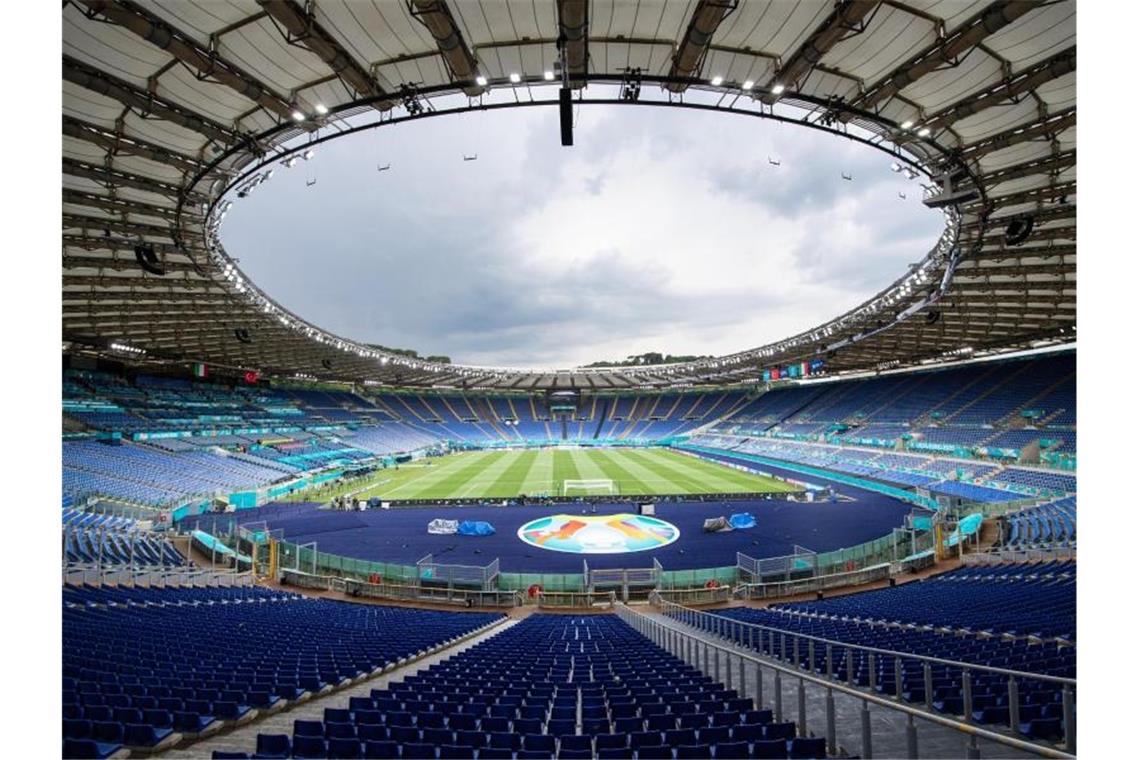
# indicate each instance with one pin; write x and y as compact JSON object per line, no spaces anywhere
{"x":598,"y":487}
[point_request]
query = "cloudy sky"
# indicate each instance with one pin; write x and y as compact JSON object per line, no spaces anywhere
{"x":660,"y":230}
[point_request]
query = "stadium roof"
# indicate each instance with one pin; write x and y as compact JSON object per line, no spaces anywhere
{"x":171,"y":109}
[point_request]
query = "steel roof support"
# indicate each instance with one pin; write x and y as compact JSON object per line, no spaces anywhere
{"x":690,"y":55}
{"x":945,"y":51}
{"x":307,"y":32}
{"x":456,"y":53}
{"x":203,"y":60}
{"x":120,"y":205}
{"x":844,"y":19}
{"x":1058,"y":66}
{"x":77,"y":72}
{"x":573,"y":34}
{"x":1047,"y":128}
{"x":118,"y":178}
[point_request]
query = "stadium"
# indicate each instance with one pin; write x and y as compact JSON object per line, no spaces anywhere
{"x":851,"y":533}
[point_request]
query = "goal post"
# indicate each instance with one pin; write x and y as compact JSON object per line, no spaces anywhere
{"x":595,"y":487}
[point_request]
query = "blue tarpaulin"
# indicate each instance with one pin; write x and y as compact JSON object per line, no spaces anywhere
{"x":742,"y":520}
{"x":476,"y":528}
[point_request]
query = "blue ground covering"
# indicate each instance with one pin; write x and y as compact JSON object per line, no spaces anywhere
{"x":400,"y":535}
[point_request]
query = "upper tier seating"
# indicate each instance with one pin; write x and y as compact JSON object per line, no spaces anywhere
{"x":551,"y":685}
{"x":141,"y":665}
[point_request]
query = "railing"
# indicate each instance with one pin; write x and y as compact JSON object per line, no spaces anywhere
{"x":720,"y":662}
{"x":576,"y":599}
{"x":400,"y":591}
{"x":1042,"y":554}
{"x":815,"y":583}
{"x":94,"y":575}
{"x":788,"y":646}
{"x":707,"y":595}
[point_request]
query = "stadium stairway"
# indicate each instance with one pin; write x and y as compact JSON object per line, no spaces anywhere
{"x":889,"y":726}
{"x":243,"y":738}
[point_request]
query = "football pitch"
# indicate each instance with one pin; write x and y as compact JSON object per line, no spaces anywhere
{"x":499,"y":474}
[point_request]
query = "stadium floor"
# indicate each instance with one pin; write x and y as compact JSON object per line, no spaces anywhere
{"x":400,"y":535}
{"x":498,"y":473}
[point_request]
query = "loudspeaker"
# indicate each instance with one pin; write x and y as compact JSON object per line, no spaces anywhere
{"x":932,"y":317}
{"x":148,"y":259}
{"x":566,"y":116}
{"x":892,"y":582}
{"x":1018,"y":230}
{"x":326,"y":363}
{"x":242,"y":335}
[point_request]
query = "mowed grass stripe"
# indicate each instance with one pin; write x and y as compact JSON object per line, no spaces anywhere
{"x":629,"y":479}
{"x":480,"y":483}
{"x":565,"y":469}
{"x":540,"y":477}
{"x":697,"y":479}
{"x":511,"y":481}
{"x":440,"y":475}
{"x":662,"y":479}
{"x":744,"y":481}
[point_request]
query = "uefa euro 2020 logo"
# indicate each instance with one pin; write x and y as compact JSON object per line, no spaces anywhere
{"x":599,"y":534}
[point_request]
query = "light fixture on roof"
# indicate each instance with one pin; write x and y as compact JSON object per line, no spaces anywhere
{"x":778,"y":89}
{"x":307,"y":154}
{"x":548,"y":75}
{"x":924,"y":132}
{"x":481,"y":80}
{"x":748,"y":84}
{"x":298,"y":116}
{"x":717,"y":81}
{"x":515,"y":78}
{"x":288,"y":163}
{"x":322,"y":109}
{"x":907,"y":124}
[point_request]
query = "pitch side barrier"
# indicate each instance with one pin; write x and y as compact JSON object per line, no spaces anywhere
{"x":631,"y":499}
{"x":766,"y":678}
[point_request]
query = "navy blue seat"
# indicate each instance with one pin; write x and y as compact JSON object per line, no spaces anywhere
{"x":1041,"y":728}
{"x":732,"y":750}
{"x":693,"y":752}
{"x":309,"y":746}
{"x":612,"y":741}
{"x":340,"y":730}
{"x":786,"y":730}
{"x":273,"y":745}
{"x":218,"y":754}
{"x":713,"y":735}
{"x":612,"y":753}
{"x":803,"y":748}
{"x":505,"y":741}
{"x":144,"y":735}
{"x":418,"y":752}
{"x":385,"y":749}
{"x":308,"y":728}
{"x":573,"y":742}
{"x":455,"y":752}
{"x":496,"y":753}
{"x":574,"y":754}
{"x":770,"y":749}
{"x":345,"y":749}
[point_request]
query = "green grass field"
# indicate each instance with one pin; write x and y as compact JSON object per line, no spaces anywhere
{"x":506,"y":474}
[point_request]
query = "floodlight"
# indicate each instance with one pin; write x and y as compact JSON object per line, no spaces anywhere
{"x":778,"y":89}
{"x":298,"y":116}
{"x":515,"y":78}
{"x":481,"y":80}
{"x":548,"y":76}
{"x":748,"y":84}
{"x":307,"y":154}
{"x":322,"y":109}
{"x":924,"y":132}
{"x":717,"y":81}
{"x":907,"y":124}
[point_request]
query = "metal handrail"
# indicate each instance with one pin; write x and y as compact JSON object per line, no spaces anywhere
{"x":875,"y":650}
{"x":397,"y":591}
{"x":589,"y":599}
{"x":658,"y":633}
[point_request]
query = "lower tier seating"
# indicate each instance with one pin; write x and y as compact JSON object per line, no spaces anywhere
{"x":142,"y":665}
{"x":550,"y":686}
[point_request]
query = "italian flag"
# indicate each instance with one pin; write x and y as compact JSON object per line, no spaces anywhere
{"x":201,"y":370}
